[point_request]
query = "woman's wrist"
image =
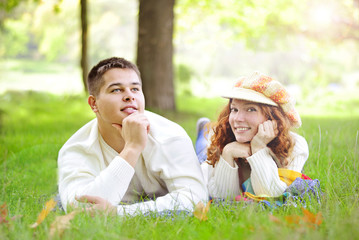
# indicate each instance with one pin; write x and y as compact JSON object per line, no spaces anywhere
{"x":255,"y":147}
{"x":227,"y":156}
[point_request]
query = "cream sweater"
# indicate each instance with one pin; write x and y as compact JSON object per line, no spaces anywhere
{"x":167,"y":175}
{"x":223,"y":181}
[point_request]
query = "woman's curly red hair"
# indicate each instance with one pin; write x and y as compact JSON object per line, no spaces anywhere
{"x":281,"y":146}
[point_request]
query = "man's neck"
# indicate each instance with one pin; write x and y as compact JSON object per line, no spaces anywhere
{"x":112,"y":137}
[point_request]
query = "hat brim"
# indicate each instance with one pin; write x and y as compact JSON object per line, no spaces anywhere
{"x":248,"y":95}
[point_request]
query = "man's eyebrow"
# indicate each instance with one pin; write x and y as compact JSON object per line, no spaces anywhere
{"x":121,"y":84}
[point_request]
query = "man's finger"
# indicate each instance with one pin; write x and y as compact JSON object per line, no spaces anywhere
{"x":87,"y":199}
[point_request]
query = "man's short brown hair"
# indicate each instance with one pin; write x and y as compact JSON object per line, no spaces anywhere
{"x":94,"y":79}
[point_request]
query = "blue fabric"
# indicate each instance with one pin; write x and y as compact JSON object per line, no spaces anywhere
{"x":301,"y":189}
{"x":247,"y":186}
{"x":201,"y":146}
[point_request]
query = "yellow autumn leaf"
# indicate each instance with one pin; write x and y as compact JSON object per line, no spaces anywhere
{"x":293,"y":219}
{"x":43,"y":214}
{"x":61,"y":223}
{"x":200,"y":211}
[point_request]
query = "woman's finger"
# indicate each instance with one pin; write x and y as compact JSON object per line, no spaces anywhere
{"x":260,"y":128}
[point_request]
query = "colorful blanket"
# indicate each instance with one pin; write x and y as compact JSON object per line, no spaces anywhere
{"x":300,"y":187}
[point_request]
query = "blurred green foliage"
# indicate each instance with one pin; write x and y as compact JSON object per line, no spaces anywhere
{"x":214,"y":40}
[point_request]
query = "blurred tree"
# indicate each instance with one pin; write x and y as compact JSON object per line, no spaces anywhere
{"x":84,"y":40}
{"x":52,"y":41}
{"x":15,"y":37}
{"x":155,"y":52}
{"x":57,"y":32}
{"x":332,"y":20}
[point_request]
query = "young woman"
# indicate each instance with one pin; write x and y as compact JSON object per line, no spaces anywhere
{"x":252,"y":139}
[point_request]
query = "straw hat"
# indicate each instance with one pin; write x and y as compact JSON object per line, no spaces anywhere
{"x":259,"y":88}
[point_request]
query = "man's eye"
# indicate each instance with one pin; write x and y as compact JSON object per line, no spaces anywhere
{"x":135,"y":89}
{"x":116,"y":90}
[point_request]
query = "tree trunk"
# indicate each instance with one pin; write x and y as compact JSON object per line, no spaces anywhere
{"x":155,"y":51}
{"x":84,"y":63}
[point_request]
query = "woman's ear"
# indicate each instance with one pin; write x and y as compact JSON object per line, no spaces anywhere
{"x":92,"y":102}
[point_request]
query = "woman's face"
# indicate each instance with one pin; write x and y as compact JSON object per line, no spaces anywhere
{"x":244,"y":119}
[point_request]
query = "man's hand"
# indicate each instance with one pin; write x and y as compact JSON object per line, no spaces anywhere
{"x":134,"y":131}
{"x":235,"y":150}
{"x":267,"y":131}
{"x":98,"y":205}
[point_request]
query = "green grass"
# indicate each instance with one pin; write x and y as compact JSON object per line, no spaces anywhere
{"x":34,"y":126}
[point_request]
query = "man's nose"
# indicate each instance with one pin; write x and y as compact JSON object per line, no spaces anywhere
{"x":128,"y":96}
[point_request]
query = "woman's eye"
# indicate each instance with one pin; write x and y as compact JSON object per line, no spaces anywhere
{"x":252,"y":109}
{"x":234,"y":109}
{"x":135,"y":89}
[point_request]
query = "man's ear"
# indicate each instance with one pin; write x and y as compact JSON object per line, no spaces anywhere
{"x":92,"y":102}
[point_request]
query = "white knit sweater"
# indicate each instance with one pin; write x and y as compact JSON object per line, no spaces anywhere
{"x":167,"y":173}
{"x":223,"y":181}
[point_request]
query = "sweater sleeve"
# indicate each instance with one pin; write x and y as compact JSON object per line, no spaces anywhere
{"x":264,"y":172}
{"x":180,"y":172}
{"x":300,"y":154}
{"x":223,"y":181}
{"x":82,"y":174}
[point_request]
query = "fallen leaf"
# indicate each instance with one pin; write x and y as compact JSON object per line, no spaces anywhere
{"x":200,"y":211}
{"x":43,"y":214}
{"x":274,"y":219}
{"x":4,"y":218}
{"x":293,"y":219}
{"x":308,"y":220}
{"x":311,"y":218}
{"x":3,"y":213}
{"x":61,"y":223}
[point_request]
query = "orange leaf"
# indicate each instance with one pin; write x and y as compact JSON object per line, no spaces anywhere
{"x":308,"y":220}
{"x":43,"y":214}
{"x":312,"y":218}
{"x":200,"y":211}
{"x":3,"y":210}
{"x":61,"y":223}
{"x":3,"y":213}
{"x":274,"y":219}
{"x":293,"y":219}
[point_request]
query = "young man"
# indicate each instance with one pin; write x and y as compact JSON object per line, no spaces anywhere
{"x":127,"y":154}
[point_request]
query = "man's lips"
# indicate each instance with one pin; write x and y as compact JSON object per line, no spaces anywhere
{"x":129,"y":109}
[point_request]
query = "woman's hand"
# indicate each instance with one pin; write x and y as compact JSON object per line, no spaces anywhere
{"x":267,"y":131}
{"x":98,"y":205}
{"x":236,"y":150}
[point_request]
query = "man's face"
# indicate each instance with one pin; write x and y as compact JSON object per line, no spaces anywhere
{"x":120,"y":95}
